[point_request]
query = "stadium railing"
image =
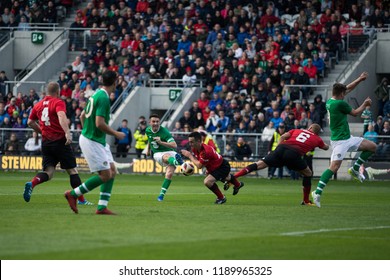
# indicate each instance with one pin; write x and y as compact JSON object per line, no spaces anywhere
{"x":41,"y":56}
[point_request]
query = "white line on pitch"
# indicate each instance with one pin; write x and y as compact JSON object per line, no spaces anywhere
{"x":299,"y":233}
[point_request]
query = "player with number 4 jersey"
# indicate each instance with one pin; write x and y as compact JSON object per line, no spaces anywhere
{"x":289,"y":152}
{"x":50,"y":112}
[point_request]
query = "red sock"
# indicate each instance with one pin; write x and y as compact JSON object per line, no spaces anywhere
{"x":306,"y":183}
{"x":217,"y":192}
{"x":39,"y":179}
{"x":246,"y":170}
{"x":306,"y":194}
{"x":235,"y":182}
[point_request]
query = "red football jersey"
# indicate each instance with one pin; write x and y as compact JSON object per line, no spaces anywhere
{"x":46,"y":112}
{"x":303,"y":141}
{"x":208,"y":157}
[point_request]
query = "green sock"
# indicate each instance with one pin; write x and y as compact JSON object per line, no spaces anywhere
{"x":173,"y":161}
{"x":87,"y":186}
{"x":165,"y":186}
{"x":325,"y":177}
{"x":362,"y":159}
{"x":105,"y":194}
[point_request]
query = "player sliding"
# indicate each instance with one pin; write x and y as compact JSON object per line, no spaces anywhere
{"x":341,"y":139}
{"x":289,"y":152}
{"x":218,"y":169}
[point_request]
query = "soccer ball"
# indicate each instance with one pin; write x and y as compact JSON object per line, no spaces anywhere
{"x":187,"y":168}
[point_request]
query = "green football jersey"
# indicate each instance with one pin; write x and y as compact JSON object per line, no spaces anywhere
{"x":337,"y":114}
{"x":164,"y":135}
{"x":98,"y":105}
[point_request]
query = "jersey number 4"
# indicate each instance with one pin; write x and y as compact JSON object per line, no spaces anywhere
{"x":45,"y":116}
{"x":302,"y":137}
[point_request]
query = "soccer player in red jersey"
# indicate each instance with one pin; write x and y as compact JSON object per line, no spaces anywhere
{"x":56,"y":140}
{"x":218,"y":169}
{"x":292,"y":146}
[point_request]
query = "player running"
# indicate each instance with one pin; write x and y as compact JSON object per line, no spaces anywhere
{"x":341,"y":139}
{"x":289,"y":152}
{"x":94,"y":119}
{"x":56,"y":140}
{"x":218,"y":169}
{"x":162,"y":146}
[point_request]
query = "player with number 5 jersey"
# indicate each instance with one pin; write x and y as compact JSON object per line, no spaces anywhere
{"x":96,"y":151}
{"x":289,"y":152}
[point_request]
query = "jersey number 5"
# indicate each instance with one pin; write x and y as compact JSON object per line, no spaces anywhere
{"x":302,"y":137}
{"x":89,"y":108}
{"x":45,"y":116}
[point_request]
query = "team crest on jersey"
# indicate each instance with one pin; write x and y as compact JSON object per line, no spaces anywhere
{"x":339,"y":155}
{"x":105,"y":163}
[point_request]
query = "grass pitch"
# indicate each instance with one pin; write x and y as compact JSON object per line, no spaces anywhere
{"x":264,"y":221}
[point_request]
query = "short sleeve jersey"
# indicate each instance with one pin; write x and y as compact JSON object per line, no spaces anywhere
{"x":45,"y":111}
{"x":164,"y":135}
{"x":303,"y":141}
{"x":338,"y":124}
{"x":208,"y":157}
{"x":98,"y":105}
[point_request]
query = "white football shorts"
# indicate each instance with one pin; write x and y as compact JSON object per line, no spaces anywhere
{"x":159,"y":157}
{"x":342,"y":147}
{"x":97,"y":156}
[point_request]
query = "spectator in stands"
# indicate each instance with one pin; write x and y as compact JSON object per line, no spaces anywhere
{"x":11,"y":107}
{"x":141,"y":139}
{"x":3,"y":113}
{"x":311,"y":71}
{"x":3,"y":85}
{"x":384,"y":143}
{"x":242,"y":151}
{"x":124,"y":145}
{"x":77,"y":65}
{"x":50,"y":13}
{"x":253,"y":127}
{"x":33,"y":145}
{"x":11,"y":146}
{"x":212,"y":122}
{"x":23,"y":24}
{"x":314,"y":115}
{"x":186,"y":119}
{"x":223,"y":122}
{"x":189,"y":78}
{"x":382,"y":94}
{"x":371,"y":134}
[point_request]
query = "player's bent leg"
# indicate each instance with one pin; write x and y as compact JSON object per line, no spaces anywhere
{"x":210,"y":182}
{"x":368,"y":148}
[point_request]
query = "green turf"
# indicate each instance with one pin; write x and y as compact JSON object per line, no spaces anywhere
{"x":265,"y":221}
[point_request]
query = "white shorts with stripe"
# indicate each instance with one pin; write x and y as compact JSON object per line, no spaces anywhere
{"x":97,"y":156}
{"x":342,"y":147}
{"x":159,"y":157}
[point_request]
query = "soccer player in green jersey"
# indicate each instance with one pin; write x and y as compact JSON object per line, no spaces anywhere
{"x":341,"y":139}
{"x":163,"y":148}
{"x":96,"y":151}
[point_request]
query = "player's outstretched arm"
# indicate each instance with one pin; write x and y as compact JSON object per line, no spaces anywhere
{"x":284,"y":137}
{"x":351,"y":86}
{"x":191,"y":157}
{"x":101,"y":124}
{"x":360,"y":109}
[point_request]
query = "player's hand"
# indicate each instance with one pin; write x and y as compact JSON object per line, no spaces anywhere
{"x":157,"y":140}
{"x":367,"y":102}
{"x":68,"y":139}
{"x":120,"y":135}
{"x":363,"y":76}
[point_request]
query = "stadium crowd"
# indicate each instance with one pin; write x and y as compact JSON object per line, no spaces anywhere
{"x":249,"y":55}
